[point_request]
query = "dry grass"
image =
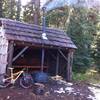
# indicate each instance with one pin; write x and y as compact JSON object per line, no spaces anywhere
{"x":91,"y":76}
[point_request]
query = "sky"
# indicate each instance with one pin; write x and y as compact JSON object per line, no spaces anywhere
{"x":24,"y":2}
{"x":58,"y":3}
{"x":76,"y":3}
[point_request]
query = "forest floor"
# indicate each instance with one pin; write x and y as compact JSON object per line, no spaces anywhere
{"x":54,"y":90}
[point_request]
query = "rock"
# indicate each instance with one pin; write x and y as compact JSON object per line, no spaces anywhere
{"x":47,"y":93}
{"x":61,"y":90}
{"x":8,"y":97}
{"x":39,"y":88}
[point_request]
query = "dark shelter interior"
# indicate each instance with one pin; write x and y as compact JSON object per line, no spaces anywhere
{"x":31,"y":59}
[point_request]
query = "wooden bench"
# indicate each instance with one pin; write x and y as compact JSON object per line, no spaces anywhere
{"x":34,"y":67}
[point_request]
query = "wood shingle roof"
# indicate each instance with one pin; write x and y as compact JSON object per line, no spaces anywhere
{"x":20,"y":31}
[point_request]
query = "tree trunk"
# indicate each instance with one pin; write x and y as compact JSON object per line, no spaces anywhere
{"x":18,"y":9}
{"x":10,"y":55}
{"x":11,"y":9}
{"x":37,"y":12}
{"x":69,"y":65}
{"x":1,"y":4}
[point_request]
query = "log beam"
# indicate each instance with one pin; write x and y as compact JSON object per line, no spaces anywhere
{"x":10,"y":54}
{"x":20,"y":53}
{"x":63,"y":55}
{"x":57,"y":63}
{"x":69,"y":64}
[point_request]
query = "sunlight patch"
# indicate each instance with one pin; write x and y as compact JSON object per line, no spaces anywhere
{"x":96,"y":92}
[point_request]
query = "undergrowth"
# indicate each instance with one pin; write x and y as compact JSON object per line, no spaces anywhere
{"x":90,"y":76}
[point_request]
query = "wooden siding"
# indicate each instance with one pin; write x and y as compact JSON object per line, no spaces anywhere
{"x":19,"y":31}
{"x":3,"y":53}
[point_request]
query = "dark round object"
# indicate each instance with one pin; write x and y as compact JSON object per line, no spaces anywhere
{"x":40,"y":77}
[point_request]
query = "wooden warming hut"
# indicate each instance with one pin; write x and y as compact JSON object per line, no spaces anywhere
{"x":25,"y":45}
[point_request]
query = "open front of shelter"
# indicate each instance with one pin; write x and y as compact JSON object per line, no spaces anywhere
{"x":25,"y":45}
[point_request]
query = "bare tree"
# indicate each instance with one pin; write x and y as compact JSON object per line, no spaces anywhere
{"x":18,"y":9}
{"x":37,"y":11}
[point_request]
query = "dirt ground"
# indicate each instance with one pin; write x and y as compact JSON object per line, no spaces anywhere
{"x":55,"y":90}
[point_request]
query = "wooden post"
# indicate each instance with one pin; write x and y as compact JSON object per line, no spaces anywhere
{"x":57,"y":63}
{"x":1,"y":11}
{"x":42,"y":60}
{"x":10,"y":54}
{"x":69,"y":64}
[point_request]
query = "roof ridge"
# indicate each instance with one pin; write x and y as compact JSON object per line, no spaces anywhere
{"x":25,"y":23}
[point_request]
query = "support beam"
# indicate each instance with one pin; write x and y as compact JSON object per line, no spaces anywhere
{"x":69,"y":65}
{"x":20,"y":53}
{"x":42,"y":59}
{"x":57,"y":63}
{"x":63,"y":55}
{"x":10,"y":54}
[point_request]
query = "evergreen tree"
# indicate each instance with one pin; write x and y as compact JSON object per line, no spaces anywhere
{"x":28,"y":12}
{"x":31,"y":12}
{"x":57,"y":18}
{"x":81,"y":27}
{"x":5,"y":8}
{"x":96,"y":43}
{"x":9,"y":9}
{"x":81,"y":30}
{"x":12,"y":10}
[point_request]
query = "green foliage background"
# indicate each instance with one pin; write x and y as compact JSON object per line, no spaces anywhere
{"x":83,"y":28}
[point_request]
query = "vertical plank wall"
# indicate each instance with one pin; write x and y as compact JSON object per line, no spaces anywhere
{"x":3,"y":52}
